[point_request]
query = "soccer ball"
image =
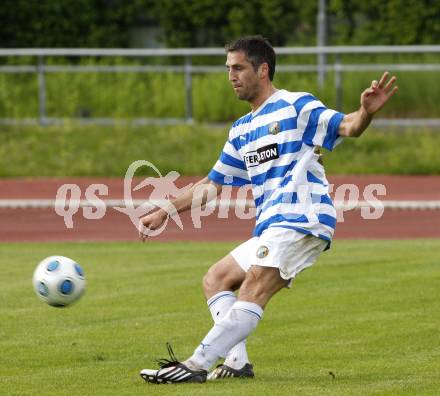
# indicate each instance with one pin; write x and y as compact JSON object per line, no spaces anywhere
{"x":59,"y":281}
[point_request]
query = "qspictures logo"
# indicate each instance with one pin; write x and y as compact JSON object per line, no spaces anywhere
{"x":162,"y":189}
{"x":261,"y":155}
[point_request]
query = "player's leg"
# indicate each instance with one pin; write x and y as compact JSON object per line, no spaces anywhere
{"x":219,"y":284}
{"x":260,"y":284}
{"x":224,"y":275}
{"x":229,"y":273}
{"x":235,"y":327}
{"x":220,"y":281}
{"x":280,"y":256}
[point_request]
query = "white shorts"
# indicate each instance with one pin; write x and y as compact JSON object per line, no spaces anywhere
{"x":288,"y":250}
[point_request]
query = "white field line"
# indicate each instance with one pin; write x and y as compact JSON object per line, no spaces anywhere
{"x":243,"y":203}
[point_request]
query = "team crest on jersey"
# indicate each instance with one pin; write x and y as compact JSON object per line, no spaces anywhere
{"x":261,"y":155}
{"x":262,"y":252}
{"x":274,"y":128}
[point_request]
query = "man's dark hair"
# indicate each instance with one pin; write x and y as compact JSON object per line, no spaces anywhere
{"x":257,"y":49}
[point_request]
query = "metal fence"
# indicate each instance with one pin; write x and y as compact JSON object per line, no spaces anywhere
{"x":188,"y":69}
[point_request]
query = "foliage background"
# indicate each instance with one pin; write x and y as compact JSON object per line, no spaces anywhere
{"x":79,"y":150}
{"x":192,"y":23}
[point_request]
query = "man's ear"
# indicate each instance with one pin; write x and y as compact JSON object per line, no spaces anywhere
{"x":263,"y":71}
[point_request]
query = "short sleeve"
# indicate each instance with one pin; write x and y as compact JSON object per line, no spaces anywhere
{"x":230,"y":168}
{"x":320,"y":124}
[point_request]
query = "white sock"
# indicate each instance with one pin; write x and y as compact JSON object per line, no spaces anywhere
{"x":219,"y":305}
{"x":237,"y":324}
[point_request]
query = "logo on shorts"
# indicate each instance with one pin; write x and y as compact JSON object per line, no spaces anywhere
{"x":261,"y":155}
{"x":262,"y":252}
{"x":274,"y":128}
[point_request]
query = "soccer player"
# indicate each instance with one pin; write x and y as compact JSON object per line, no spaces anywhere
{"x":276,"y":148}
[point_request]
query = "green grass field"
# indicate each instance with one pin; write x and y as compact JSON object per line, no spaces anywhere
{"x":367,"y":312}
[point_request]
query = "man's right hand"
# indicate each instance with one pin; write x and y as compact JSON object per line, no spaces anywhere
{"x":151,"y":222}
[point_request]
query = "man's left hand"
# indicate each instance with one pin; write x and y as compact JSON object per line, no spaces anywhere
{"x":374,"y":97}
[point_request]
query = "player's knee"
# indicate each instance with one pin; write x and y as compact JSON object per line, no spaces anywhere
{"x":218,"y":279}
{"x":211,"y":283}
{"x":206,"y":283}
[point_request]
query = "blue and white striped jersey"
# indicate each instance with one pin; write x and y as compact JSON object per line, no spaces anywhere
{"x":274,"y":149}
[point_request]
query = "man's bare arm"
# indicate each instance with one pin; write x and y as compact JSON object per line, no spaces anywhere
{"x":372,"y":100}
{"x":179,"y":204}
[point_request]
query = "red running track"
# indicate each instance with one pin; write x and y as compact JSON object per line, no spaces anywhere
{"x":45,"y":225}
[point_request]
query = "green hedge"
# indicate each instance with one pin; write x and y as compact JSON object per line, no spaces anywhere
{"x":160,"y":95}
{"x":192,"y":150}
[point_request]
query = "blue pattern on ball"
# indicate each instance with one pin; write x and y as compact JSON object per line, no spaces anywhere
{"x":79,"y":269}
{"x":53,"y":265}
{"x":42,"y":289}
{"x":66,"y":287}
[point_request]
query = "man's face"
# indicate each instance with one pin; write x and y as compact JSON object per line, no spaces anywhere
{"x":244,"y":79}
